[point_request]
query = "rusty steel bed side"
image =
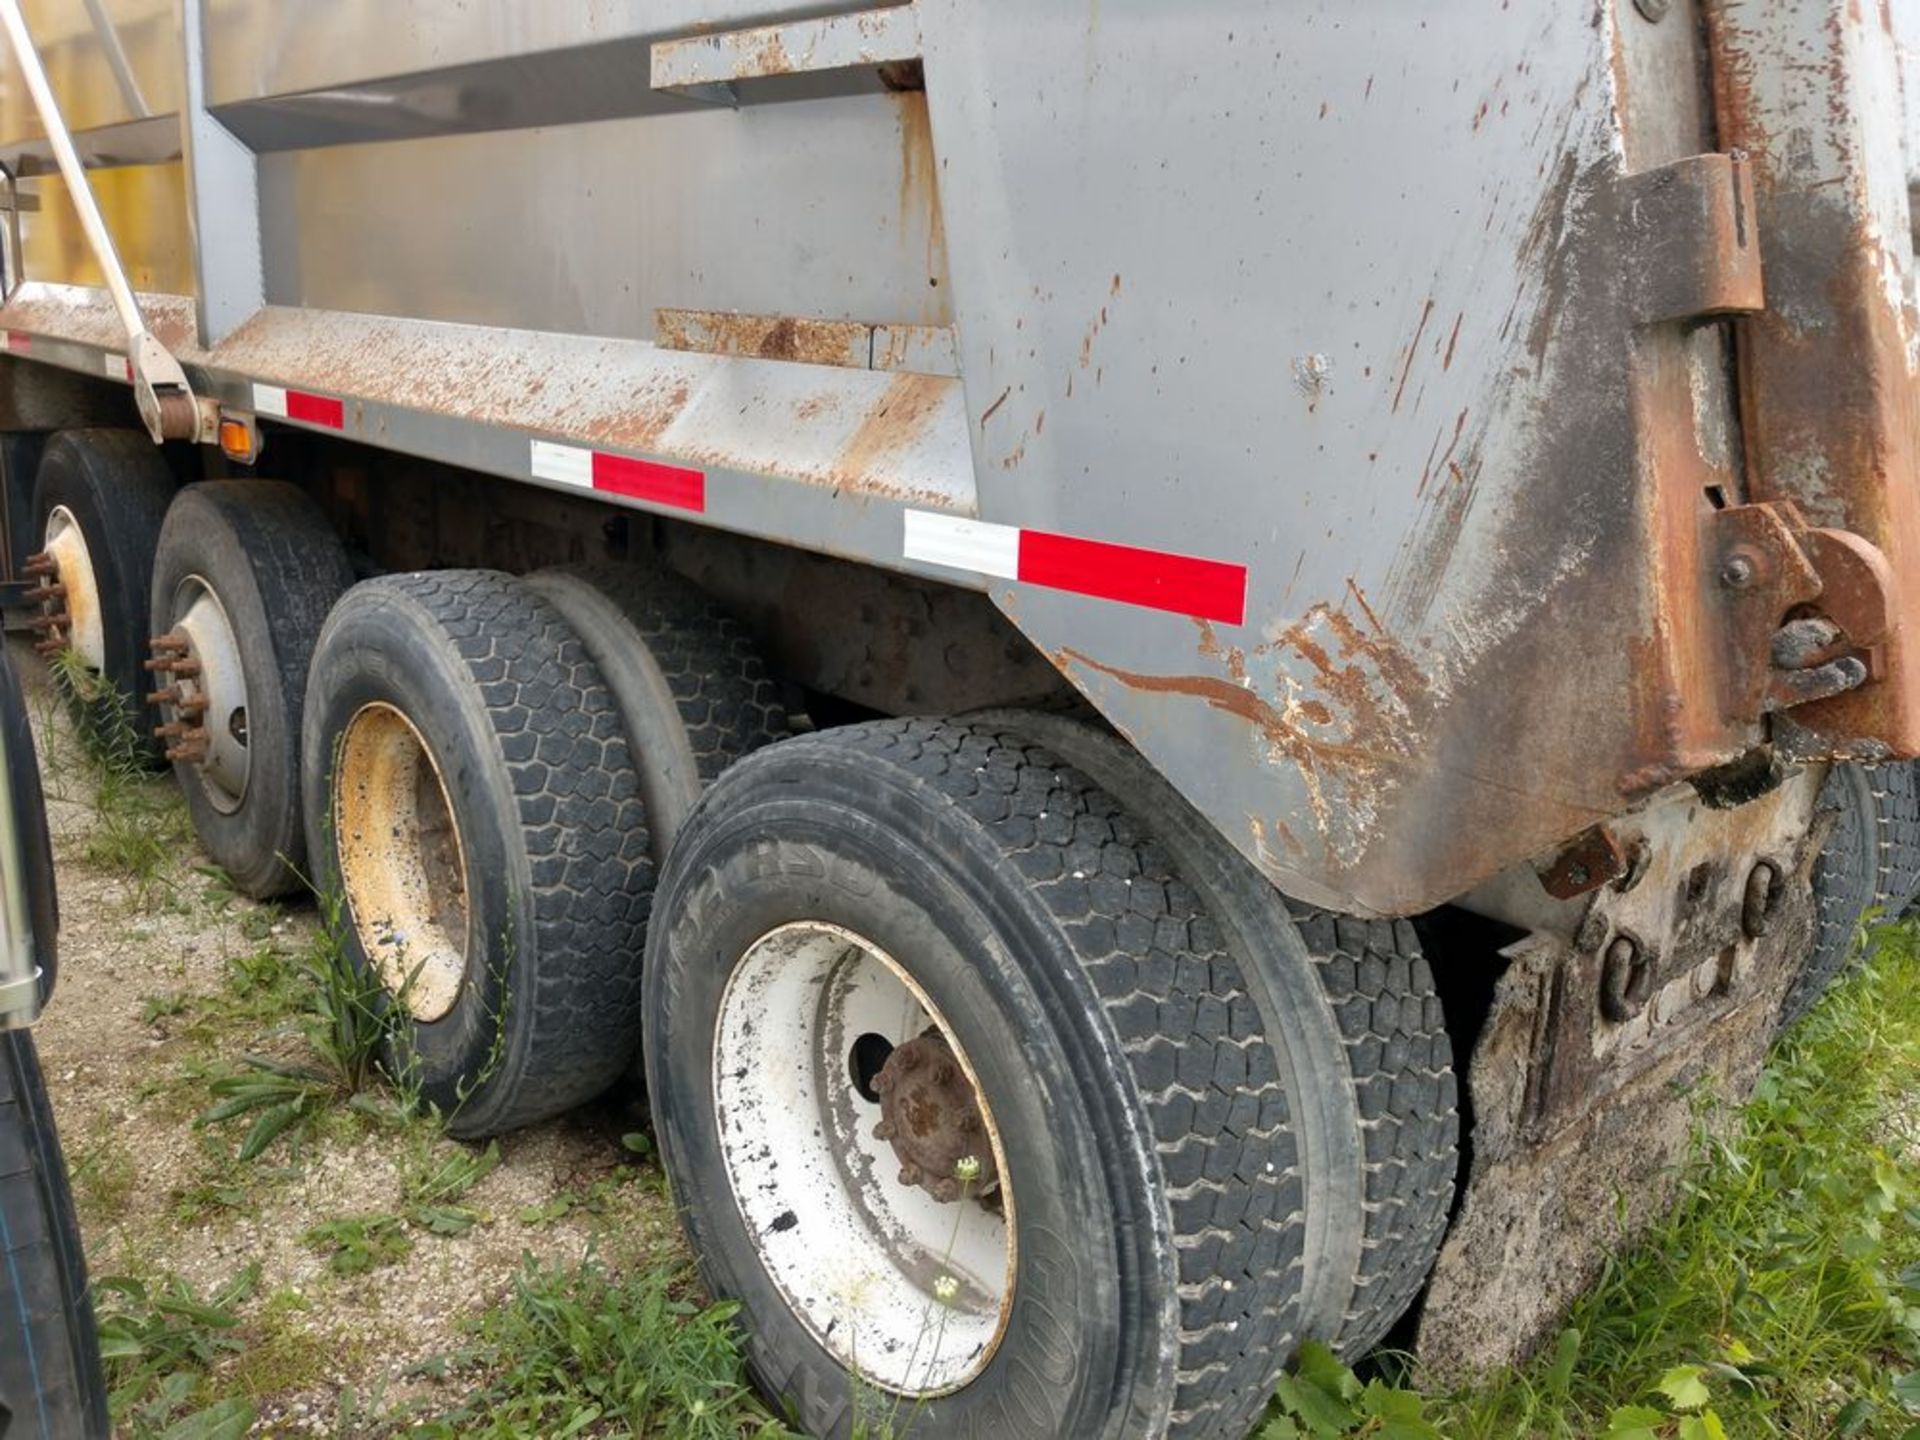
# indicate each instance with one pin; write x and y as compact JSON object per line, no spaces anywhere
{"x":1358,"y":431}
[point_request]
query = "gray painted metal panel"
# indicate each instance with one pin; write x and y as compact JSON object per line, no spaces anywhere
{"x":826,"y":212}
{"x":1323,"y":291}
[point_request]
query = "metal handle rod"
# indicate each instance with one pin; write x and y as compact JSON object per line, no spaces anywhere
{"x":178,"y":414}
{"x":71,"y":170}
{"x":123,"y":75}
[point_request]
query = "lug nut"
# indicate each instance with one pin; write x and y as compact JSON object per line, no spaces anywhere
{"x":188,"y":668}
{"x":53,"y":645}
{"x":41,"y":624}
{"x":45,"y":591}
{"x":883,"y":1131}
{"x":191,"y":754}
{"x":168,"y":644}
{"x":172,"y":730}
{"x":40,"y":563}
{"x":169,"y":696}
{"x":193,"y":707}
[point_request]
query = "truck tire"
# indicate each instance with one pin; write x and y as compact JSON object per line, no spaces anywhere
{"x":471,"y":804}
{"x":1871,"y":860}
{"x":243,"y":576}
{"x":99,"y":498}
{"x":837,"y":898}
{"x":692,"y":689}
{"x":1356,"y":1021}
{"x":51,"y":1387}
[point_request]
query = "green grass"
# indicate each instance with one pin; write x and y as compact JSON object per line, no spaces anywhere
{"x":103,"y":1174}
{"x":139,"y":828}
{"x":161,"y":1343}
{"x":576,"y":1350}
{"x":1781,"y":1297}
{"x":344,"y":1020}
{"x":435,"y":1180}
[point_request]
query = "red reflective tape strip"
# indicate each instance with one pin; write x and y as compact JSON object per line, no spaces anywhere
{"x":18,"y":341}
{"x":650,"y":480}
{"x":1183,"y":584}
{"x":316,"y":409}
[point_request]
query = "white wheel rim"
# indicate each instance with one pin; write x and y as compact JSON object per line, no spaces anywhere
{"x":402,"y":861}
{"x":221,"y":682}
{"x":67,"y":545}
{"x":908,"y":1292}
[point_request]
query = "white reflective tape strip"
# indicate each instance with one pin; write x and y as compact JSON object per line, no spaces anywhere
{"x":963,"y":544}
{"x":116,"y":366}
{"x":568,"y":464}
{"x":270,"y":400}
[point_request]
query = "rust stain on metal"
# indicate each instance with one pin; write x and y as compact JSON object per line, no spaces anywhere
{"x":1593,"y":860}
{"x":893,"y":425}
{"x":846,"y":343}
{"x":920,"y":191}
{"x":1413,"y":348}
{"x":1342,"y":724}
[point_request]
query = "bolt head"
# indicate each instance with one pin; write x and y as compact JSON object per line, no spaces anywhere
{"x":1738,"y":572}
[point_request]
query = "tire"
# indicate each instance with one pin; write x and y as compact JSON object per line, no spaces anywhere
{"x":275,"y":568}
{"x":115,"y":486}
{"x":39,"y":920}
{"x":480,"y":685}
{"x":1871,"y":860}
{"x":1146,"y":1128}
{"x":1356,"y":1022}
{"x":692,"y":689}
{"x":51,"y":1386}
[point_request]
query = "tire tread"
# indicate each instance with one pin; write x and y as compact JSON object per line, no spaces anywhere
{"x":1206,"y":1077}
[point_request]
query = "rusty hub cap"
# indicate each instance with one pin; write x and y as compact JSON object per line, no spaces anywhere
{"x":931,"y":1116}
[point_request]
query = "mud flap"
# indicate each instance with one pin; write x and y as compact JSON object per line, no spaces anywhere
{"x":1616,"y":1025}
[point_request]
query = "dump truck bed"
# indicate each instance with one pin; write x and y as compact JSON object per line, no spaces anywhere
{"x":1410,"y":428}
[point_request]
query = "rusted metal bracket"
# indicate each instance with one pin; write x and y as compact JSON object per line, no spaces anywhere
{"x":1690,"y":235}
{"x":1807,"y":608}
{"x":1592,"y":860}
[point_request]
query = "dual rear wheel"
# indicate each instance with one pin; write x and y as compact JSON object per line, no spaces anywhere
{"x":987,"y":1115}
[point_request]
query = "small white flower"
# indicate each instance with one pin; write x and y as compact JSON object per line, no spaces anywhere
{"x":967,"y":1167}
{"x":945,"y":1288}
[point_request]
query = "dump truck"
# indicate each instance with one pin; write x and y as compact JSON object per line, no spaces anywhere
{"x":1171,"y":673}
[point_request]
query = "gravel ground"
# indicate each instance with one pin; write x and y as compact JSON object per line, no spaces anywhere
{"x":126,"y":1045}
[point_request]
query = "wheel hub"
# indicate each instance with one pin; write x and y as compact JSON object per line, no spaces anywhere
{"x":820,"y":1035}
{"x":66,"y":592}
{"x":203,"y":694}
{"x":930,"y":1114}
{"x":402,"y":860}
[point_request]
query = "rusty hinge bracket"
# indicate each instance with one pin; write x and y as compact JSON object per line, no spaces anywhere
{"x":1691,"y":250}
{"x":1808,"y":609}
